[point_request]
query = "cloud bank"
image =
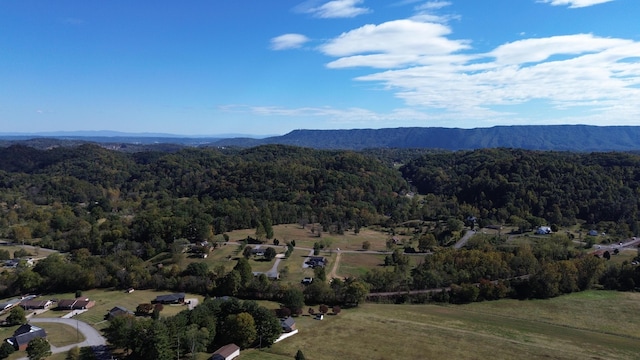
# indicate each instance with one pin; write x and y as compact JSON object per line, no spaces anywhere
{"x":575,"y":3}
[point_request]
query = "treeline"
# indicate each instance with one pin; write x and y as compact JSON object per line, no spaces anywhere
{"x":90,"y":197}
{"x":532,"y":188}
{"x":490,"y":269}
{"x":214,"y":323}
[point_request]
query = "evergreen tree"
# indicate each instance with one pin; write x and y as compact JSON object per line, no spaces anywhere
{"x":244,"y":269}
{"x":261,"y":232}
{"x":299,"y":355}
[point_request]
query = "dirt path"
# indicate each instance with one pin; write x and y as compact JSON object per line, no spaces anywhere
{"x":332,"y":274}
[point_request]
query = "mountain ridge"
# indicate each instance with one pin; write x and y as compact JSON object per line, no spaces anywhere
{"x":530,"y":137}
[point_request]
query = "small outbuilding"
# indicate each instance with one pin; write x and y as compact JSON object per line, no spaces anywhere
{"x":177,"y":298}
{"x":117,"y":311}
{"x":288,"y":324}
{"x":227,"y":352}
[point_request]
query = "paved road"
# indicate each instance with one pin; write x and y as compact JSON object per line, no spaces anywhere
{"x":273,"y":272}
{"x":92,"y":336}
{"x":462,"y":242}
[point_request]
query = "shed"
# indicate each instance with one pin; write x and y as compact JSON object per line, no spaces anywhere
{"x":288,"y":324}
{"x":117,"y":311}
{"x":177,"y":298}
{"x":227,"y":352}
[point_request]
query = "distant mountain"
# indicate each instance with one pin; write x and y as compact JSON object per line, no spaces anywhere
{"x":533,"y":137}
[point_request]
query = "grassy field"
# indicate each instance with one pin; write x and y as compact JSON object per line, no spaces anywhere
{"x":305,"y":238}
{"x":594,"y":325}
{"x":356,"y":265}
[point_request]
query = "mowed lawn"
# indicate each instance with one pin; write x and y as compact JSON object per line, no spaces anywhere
{"x":108,"y":299}
{"x":593,"y":325}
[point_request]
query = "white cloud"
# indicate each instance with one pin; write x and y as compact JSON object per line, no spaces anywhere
{"x":428,"y":71}
{"x":288,"y":41}
{"x":432,"y":5}
{"x":574,"y":3}
{"x":338,"y":9}
{"x":391,"y":44}
{"x":536,"y":50}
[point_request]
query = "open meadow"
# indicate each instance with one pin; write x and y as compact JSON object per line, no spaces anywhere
{"x":306,"y":238}
{"x":592,"y":324}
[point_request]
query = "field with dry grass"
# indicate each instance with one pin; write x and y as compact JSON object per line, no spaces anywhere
{"x":593,"y":324}
{"x":306,"y":238}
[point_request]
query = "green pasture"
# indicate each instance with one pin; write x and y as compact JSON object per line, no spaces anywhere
{"x":356,"y":265}
{"x":593,"y":325}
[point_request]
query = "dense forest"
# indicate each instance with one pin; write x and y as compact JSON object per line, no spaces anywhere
{"x":517,"y":186}
{"x":114,"y":210}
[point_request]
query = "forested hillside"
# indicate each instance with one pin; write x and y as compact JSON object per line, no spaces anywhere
{"x":114,"y":210}
{"x":547,"y":137}
{"x":153,"y":198}
{"x":531,"y":188}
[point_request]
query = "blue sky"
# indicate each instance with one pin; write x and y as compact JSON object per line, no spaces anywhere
{"x":267,"y":67}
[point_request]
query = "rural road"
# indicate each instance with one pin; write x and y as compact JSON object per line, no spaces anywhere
{"x":334,"y":269}
{"x":92,"y":336}
{"x":462,"y":242}
{"x":273,"y":272}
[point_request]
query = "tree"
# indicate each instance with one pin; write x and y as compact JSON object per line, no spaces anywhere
{"x":16,"y":316}
{"x":320,"y":273}
{"x":323,"y":308}
{"x":293,"y":299}
{"x":6,"y":349}
{"x":268,"y":327}
{"x":366,"y":245}
{"x":240,"y":329}
{"x":427,"y":242}
{"x":299,"y":355}
{"x":336,"y":309}
{"x":156,"y":345}
{"x":197,"y":269}
{"x":144,"y":309}
{"x":269,"y":254}
{"x":261,"y":233}
{"x":196,"y":339}
{"x":38,"y":348}
{"x":244,"y":269}
{"x":355,"y":292}
{"x":120,"y":332}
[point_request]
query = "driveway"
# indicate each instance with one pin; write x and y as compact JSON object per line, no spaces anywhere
{"x":92,"y":337}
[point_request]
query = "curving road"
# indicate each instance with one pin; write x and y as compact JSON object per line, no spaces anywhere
{"x":92,"y":337}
